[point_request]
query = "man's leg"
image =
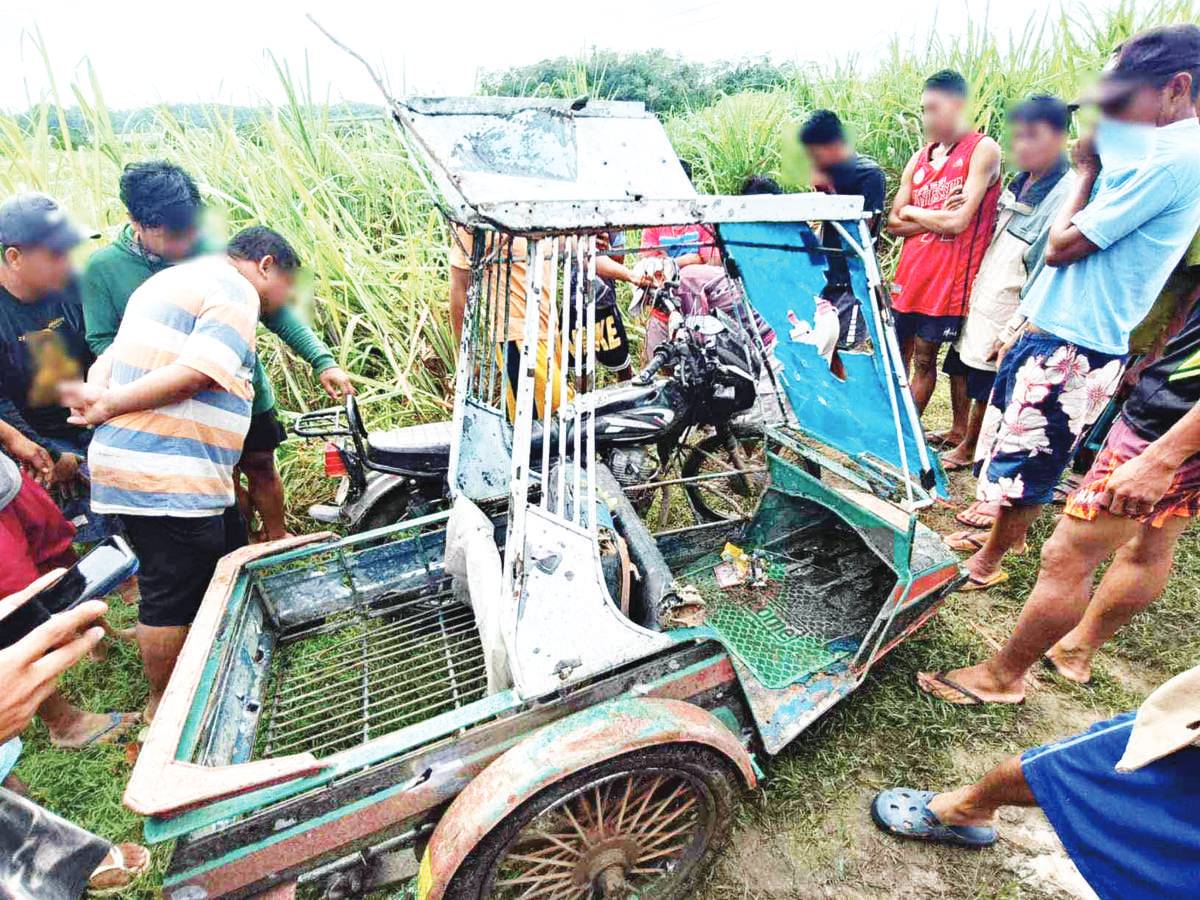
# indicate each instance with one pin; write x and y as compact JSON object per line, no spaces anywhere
{"x":1069,"y":561}
{"x":964,"y":453}
{"x":924,"y":372}
{"x":71,"y":727}
{"x":960,"y":408}
{"x":265,"y":490}
{"x":1137,"y":577}
{"x":1008,"y":531}
{"x":976,"y":804}
{"x":160,"y":647}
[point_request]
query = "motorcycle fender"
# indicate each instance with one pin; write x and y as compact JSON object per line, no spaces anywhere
{"x":379,"y":485}
{"x":555,"y":752}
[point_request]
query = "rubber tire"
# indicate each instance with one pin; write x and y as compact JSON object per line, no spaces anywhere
{"x":390,"y":509}
{"x":714,"y":769}
{"x":712,"y":445}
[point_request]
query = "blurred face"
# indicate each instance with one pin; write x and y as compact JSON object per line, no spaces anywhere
{"x":276,"y":285}
{"x":170,"y":244}
{"x":40,"y":269}
{"x":826,"y":156}
{"x":1036,"y":146}
{"x":942,"y":115}
{"x":1155,"y":105}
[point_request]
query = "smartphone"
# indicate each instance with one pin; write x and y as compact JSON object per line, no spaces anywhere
{"x":98,"y":573}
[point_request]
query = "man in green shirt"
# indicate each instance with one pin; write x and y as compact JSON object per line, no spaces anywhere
{"x":164,"y":204}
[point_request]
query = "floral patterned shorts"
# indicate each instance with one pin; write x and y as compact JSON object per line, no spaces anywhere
{"x":1181,"y":500}
{"x":1048,"y":391}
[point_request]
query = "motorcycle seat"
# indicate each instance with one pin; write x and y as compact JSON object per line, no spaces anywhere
{"x":420,"y":449}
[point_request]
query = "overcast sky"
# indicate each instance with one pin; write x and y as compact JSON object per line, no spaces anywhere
{"x":148,"y":52}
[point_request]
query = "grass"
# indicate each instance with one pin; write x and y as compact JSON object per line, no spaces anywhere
{"x":349,"y":197}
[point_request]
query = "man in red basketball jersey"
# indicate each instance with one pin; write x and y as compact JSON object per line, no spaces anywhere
{"x":945,"y":210}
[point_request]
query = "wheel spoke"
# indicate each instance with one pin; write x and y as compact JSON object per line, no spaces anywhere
{"x":630,"y":833}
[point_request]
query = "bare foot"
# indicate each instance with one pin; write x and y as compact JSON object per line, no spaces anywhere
{"x":979,"y":680}
{"x":90,"y":729}
{"x":1073,"y":664}
{"x":978,"y":568}
{"x":958,"y":458}
{"x":954,"y":808}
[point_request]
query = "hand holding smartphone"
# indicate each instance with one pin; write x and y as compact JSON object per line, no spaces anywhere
{"x":100,"y":571}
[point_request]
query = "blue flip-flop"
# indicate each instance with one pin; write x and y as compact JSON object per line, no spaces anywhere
{"x":905,"y":812}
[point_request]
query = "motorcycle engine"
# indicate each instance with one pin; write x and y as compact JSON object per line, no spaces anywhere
{"x":631,"y":465}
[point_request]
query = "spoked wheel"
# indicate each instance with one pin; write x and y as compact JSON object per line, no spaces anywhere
{"x":645,"y":825}
{"x":732,"y":470}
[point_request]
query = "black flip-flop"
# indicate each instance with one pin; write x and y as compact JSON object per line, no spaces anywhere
{"x":940,"y":678}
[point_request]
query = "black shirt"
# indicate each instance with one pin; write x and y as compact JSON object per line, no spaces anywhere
{"x":42,"y":344}
{"x":1170,"y":387}
{"x":859,"y":175}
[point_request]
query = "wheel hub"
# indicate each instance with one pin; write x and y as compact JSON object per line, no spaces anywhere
{"x":606,"y":861}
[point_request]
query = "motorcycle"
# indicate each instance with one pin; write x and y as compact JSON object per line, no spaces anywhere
{"x":685,"y":408}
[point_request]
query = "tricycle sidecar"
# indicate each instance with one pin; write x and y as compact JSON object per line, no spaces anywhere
{"x":535,"y":690}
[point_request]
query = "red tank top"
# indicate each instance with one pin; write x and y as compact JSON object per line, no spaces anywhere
{"x":935,"y":271}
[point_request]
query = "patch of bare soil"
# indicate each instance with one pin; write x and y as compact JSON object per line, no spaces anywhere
{"x":846,"y":856}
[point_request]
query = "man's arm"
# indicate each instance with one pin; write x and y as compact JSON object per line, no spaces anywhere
{"x":985,"y":169}
{"x":305,"y":343}
{"x":29,"y":455}
{"x":100,"y":316}
{"x":896,"y":226}
{"x":1137,"y":485}
{"x":29,"y":669}
{"x":94,"y":405}
{"x":459,"y":280}
{"x":1066,"y":243}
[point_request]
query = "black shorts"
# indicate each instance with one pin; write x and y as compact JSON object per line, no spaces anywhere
{"x":979,"y":384}
{"x":177,"y":556}
{"x":265,"y":434}
{"x":931,"y":329}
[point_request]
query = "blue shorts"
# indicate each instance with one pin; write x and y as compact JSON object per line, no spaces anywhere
{"x":1131,"y":834}
{"x":1047,"y":392}
{"x":10,"y":752}
{"x":931,"y":329}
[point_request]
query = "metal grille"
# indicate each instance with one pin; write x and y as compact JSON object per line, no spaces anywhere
{"x":369,"y":672}
{"x":817,"y":603}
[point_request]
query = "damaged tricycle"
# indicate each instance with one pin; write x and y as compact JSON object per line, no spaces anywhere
{"x":548,"y":690}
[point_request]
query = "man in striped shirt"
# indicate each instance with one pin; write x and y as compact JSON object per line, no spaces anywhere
{"x":170,"y":401}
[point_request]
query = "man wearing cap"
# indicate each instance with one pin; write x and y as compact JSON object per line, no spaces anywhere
{"x":1127,"y":222}
{"x":164,"y":207}
{"x":1123,"y":797}
{"x":1112,"y":255}
{"x":42,"y":343}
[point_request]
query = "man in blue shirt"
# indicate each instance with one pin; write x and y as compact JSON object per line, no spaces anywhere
{"x":1129,"y":221}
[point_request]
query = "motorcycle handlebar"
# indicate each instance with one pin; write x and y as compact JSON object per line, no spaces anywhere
{"x":662,"y":356}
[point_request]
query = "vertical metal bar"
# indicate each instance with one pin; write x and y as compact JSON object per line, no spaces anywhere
{"x":564,"y":374}
{"x":441,"y":621}
{"x":500,"y":347}
{"x":576,"y":420}
{"x":551,"y":297}
{"x":365,"y":676}
{"x":591,"y":383}
{"x":514,"y":546}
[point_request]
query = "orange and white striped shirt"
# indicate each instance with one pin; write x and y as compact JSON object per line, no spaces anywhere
{"x":178,"y":460}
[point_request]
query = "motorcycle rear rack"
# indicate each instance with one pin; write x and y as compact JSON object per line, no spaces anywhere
{"x":323,"y":423}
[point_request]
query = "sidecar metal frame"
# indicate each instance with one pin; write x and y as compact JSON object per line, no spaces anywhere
{"x":247,"y":821}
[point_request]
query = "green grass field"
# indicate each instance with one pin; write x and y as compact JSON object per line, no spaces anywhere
{"x":348,"y":195}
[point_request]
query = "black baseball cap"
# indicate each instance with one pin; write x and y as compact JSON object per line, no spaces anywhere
{"x":1149,"y":58}
{"x":36,"y":220}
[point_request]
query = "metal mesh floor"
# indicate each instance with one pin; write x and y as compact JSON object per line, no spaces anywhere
{"x":369,"y":672}
{"x":820,"y":597}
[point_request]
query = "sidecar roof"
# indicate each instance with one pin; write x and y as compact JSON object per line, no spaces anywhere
{"x":532,"y":164}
